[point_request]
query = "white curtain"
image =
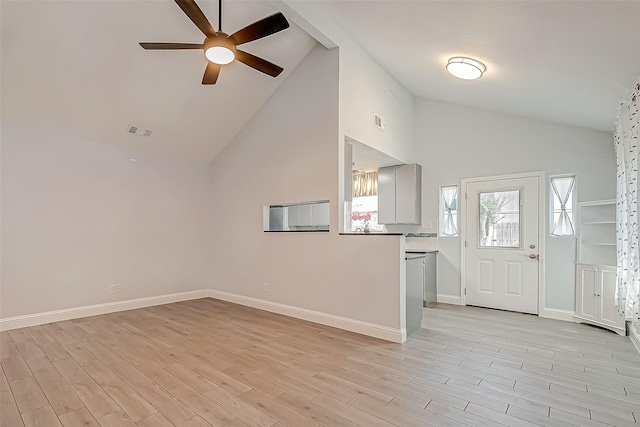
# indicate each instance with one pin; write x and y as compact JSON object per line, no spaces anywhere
{"x":626,"y":145}
{"x":365,"y":184}
{"x":449,"y":197}
{"x":562,"y":187}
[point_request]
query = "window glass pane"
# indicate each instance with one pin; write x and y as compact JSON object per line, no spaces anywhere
{"x":449,"y":211}
{"x":499,"y":219}
{"x":364,"y":204}
{"x":562,"y":193}
{"x":364,"y":215}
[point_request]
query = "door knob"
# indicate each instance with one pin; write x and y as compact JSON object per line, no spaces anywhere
{"x":533,"y":256}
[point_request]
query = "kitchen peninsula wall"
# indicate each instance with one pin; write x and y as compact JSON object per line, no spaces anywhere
{"x":323,"y":276}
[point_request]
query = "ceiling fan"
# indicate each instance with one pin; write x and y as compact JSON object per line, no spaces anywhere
{"x":221,"y":48}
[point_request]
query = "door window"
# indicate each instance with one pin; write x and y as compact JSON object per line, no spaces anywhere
{"x":499,"y":224}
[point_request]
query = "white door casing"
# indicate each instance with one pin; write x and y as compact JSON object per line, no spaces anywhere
{"x":503,"y":272}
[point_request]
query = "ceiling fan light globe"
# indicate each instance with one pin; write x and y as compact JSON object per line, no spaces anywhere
{"x":220,"y":55}
{"x":465,"y":68}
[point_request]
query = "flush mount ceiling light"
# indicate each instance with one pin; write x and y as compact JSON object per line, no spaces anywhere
{"x":465,"y":68}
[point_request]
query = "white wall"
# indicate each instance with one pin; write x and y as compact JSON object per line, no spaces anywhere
{"x":455,"y":142}
{"x":366,"y":88}
{"x":78,"y":215}
{"x":288,"y":152}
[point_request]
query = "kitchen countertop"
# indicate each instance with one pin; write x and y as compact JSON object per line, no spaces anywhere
{"x":391,"y":234}
{"x":421,"y":234}
{"x":371,"y":234}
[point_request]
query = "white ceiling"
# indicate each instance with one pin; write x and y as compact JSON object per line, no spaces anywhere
{"x":571,"y":62}
{"x":75,"y":67}
{"x":366,"y":158}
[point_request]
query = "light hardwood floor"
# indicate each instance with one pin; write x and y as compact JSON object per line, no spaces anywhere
{"x":208,"y":362}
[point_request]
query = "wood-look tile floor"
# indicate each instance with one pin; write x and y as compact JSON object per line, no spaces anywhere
{"x":208,"y":362}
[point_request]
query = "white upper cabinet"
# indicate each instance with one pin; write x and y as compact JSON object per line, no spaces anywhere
{"x":400,"y":194}
{"x":292,"y":214}
{"x":305,"y":216}
{"x":320,"y":214}
{"x":387,"y":195}
{"x":409,"y":194}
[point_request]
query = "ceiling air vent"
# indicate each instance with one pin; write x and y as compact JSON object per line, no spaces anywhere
{"x":139,"y":130}
{"x":378,"y":121}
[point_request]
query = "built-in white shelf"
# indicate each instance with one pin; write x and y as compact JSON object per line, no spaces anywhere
{"x":596,"y":233}
{"x":598,"y":222}
{"x":596,"y":265}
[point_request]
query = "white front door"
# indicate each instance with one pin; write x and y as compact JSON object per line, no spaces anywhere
{"x":501,"y":243}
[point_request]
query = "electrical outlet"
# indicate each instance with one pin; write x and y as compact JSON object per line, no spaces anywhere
{"x":112,"y":289}
{"x":118,"y":288}
{"x":266,"y":287}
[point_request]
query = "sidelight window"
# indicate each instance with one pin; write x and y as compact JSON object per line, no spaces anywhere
{"x":449,"y":210}
{"x":563,"y":200}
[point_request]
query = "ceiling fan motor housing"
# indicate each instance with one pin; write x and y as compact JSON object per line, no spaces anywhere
{"x":221,"y":40}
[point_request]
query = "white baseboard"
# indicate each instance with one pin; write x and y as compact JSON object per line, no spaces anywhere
{"x":357,"y":326}
{"x":96,"y":309}
{"x":558,"y":314}
{"x":635,"y":337}
{"x":449,"y":299}
{"x":370,"y":329}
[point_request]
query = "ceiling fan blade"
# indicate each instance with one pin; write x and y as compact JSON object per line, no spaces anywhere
{"x":168,"y":46}
{"x":258,"y":63}
{"x":211,"y":73}
{"x":259,"y":29}
{"x":191,"y":9}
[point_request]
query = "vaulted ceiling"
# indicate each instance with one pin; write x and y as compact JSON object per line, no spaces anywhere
{"x":75,"y":67}
{"x":571,"y":62}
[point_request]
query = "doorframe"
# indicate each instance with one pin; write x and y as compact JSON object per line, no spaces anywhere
{"x":542,"y":234}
